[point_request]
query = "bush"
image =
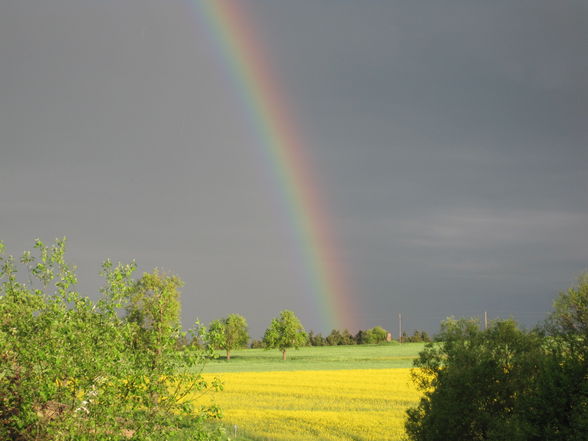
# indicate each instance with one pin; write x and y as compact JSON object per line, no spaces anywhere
{"x":471,"y":382}
{"x":257,"y":344}
{"x":416,"y":337}
{"x":74,"y":369}
{"x":505,"y":383}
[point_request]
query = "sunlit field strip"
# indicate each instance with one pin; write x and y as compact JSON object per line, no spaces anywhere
{"x":361,"y":404}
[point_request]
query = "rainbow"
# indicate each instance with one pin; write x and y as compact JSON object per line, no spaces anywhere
{"x":245,"y":62}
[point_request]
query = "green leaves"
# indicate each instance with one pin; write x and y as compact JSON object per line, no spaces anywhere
{"x":506,"y":383}
{"x":229,"y":333}
{"x":285,"y":332}
{"x":74,"y":369}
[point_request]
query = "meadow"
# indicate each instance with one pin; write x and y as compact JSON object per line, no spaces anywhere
{"x":385,"y":356}
{"x":319,"y":393}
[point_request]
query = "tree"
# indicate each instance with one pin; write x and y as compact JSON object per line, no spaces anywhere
{"x":505,"y":383}
{"x":154,"y":301}
{"x":316,"y":339}
{"x":375,"y":335}
{"x":334,"y":338}
{"x":563,"y":397}
{"x":347,"y":338}
{"x":475,"y":383}
{"x":154,"y":306}
{"x":257,"y":344}
{"x":360,"y":337}
{"x":285,"y":332}
{"x":229,"y":333}
{"x":76,"y":369}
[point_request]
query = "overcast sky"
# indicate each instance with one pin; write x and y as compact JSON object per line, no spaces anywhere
{"x":451,"y":140}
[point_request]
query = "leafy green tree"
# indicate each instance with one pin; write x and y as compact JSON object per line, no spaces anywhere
{"x":504,"y":383}
{"x":472,"y":381}
{"x":375,"y":335}
{"x":562,"y":399}
{"x":257,"y":344}
{"x":76,"y":369}
{"x":417,"y":337}
{"x":229,"y":333}
{"x":154,"y":306}
{"x":316,"y":339}
{"x":334,"y":338}
{"x":347,"y":338}
{"x":360,"y":337}
{"x":285,"y":332}
{"x":425,"y":337}
{"x":154,"y":301}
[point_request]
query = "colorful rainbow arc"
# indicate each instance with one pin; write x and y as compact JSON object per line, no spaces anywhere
{"x":244,"y":59}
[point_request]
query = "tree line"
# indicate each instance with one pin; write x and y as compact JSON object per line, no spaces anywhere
{"x":286,"y":331}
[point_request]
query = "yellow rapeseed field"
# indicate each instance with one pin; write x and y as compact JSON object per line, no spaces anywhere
{"x":337,"y":405}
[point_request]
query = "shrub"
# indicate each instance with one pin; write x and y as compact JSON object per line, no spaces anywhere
{"x":505,"y":383}
{"x":75,"y":369}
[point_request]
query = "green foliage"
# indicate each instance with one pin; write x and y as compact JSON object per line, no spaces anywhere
{"x":569,"y":320}
{"x":316,"y":339}
{"x":471,"y":382}
{"x":347,"y":338}
{"x":416,"y":337}
{"x":562,"y":398}
{"x":229,"y":333}
{"x":257,"y":344}
{"x":74,"y":369}
{"x":334,"y":338}
{"x":285,"y":332}
{"x":504,"y":383}
{"x":154,"y":301}
{"x":374,"y":335}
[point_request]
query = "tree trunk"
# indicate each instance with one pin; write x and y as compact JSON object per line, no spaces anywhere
{"x":283,"y":355}
{"x":228,"y":354}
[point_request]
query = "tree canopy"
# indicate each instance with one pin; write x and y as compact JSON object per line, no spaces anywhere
{"x":285,"y":332}
{"x":229,"y":333}
{"x":505,"y":383}
{"x":76,"y":369}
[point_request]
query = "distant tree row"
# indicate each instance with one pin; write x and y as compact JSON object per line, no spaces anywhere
{"x":283,"y":333}
{"x":416,"y":337}
{"x":374,"y":335}
{"x":286,"y":331}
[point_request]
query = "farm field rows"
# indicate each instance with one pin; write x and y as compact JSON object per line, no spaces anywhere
{"x":325,"y":404}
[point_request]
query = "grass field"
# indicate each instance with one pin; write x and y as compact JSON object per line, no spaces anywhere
{"x":319,"y":358}
{"x":339,"y":393}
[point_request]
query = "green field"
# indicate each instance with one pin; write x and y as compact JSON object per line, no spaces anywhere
{"x":385,"y":356}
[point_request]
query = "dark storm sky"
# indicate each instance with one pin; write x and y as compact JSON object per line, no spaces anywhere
{"x":450,"y":137}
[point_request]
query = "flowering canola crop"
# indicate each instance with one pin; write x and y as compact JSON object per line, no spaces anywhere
{"x":366,"y":404}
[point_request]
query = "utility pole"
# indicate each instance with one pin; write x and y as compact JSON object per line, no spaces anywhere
{"x":485,"y":320}
{"x":399,"y":327}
